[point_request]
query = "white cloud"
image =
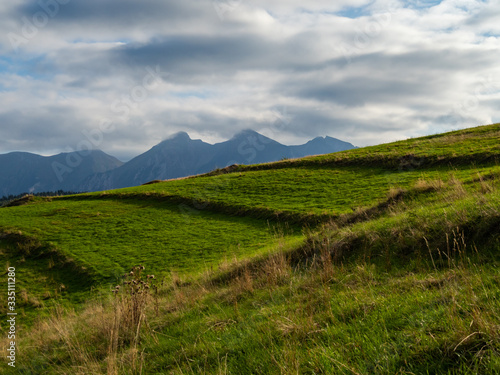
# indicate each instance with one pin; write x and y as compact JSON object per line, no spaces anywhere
{"x":363,"y":71}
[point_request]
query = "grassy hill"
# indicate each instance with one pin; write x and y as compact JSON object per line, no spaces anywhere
{"x":379,"y":260}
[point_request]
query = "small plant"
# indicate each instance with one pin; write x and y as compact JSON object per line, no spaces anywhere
{"x":133,"y":296}
{"x":131,"y":301}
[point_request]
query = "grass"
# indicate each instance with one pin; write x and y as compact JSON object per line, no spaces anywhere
{"x":314,"y":190}
{"x":107,"y":236}
{"x":461,"y":147}
{"x":382,"y":260}
{"x":361,"y":321}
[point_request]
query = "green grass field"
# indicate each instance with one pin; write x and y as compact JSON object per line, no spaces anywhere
{"x":321,"y":190}
{"x":110,"y":236}
{"x":380,"y":260}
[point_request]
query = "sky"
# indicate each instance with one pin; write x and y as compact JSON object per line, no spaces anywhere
{"x":123,"y":75}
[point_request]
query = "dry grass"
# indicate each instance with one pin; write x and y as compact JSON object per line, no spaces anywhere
{"x":108,"y":325}
{"x":277,"y":269}
{"x":395,"y":193}
{"x":422,"y":185}
{"x":325,"y":261}
{"x":243,"y":283}
{"x":103,"y":338}
{"x":457,"y":188}
{"x":485,"y":186}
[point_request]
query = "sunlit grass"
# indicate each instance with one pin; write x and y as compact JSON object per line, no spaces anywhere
{"x":109,"y":235}
{"x":400,"y":275}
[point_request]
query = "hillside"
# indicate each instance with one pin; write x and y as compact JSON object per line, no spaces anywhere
{"x":378,"y":260}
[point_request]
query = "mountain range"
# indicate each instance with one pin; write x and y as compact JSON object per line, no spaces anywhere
{"x":178,"y":156}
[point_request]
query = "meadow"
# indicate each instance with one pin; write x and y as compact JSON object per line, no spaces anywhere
{"x":380,"y":260}
{"x":107,"y":236}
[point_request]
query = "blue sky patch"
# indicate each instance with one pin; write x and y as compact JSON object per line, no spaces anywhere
{"x":422,"y":4}
{"x":354,"y":12}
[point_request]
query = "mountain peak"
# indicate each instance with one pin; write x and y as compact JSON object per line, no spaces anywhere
{"x":326,"y":139}
{"x":246,"y":133}
{"x":180,"y":136}
{"x":318,"y":139}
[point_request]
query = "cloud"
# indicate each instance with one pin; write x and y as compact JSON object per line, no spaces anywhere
{"x":363,"y":71}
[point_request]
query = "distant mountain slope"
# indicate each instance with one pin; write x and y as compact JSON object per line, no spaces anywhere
{"x":177,"y":156}
{"x":25,"y":172}
{"x":319,"y":146}
{"x":181,"y":156}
